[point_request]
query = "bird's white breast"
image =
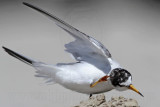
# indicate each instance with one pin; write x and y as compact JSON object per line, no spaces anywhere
{"x":79,"y":76}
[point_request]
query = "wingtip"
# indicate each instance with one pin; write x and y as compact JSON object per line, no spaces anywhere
{"x":34,"y":7}
{"x":27,"y":4}
{"x":24,"y":3}
{"x":19,"y":56}
{"x":4,"y":48}
{"x":7,"y":50}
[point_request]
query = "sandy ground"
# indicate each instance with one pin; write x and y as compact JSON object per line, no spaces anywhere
{"x":100,"y":101}
{"x":129,"y":29}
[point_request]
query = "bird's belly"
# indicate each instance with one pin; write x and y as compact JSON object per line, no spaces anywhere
{"x":85,"y":87}
{"x":80,"y":76}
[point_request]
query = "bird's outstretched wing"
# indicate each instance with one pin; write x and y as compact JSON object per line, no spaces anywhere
{"x":84,"y":48}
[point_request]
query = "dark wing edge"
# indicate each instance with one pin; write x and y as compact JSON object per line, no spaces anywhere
{"x":84,"y":48}
{"x":22,"y":58}
{"x":71,"y":30}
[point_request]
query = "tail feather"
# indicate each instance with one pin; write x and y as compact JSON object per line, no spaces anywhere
{"x":25,"y":59}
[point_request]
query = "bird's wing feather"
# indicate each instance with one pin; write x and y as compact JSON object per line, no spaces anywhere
{"x":84,"y":48}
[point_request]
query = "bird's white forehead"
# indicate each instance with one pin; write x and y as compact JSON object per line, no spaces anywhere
{"x":128,"y":82}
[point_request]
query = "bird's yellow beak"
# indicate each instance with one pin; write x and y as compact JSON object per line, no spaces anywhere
{"x":100,"y":80}
{"x":134,"y":89}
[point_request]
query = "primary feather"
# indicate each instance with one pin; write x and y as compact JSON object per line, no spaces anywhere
{"x":84,"y":48}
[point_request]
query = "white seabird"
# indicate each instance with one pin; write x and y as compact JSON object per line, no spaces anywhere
{"x":95,"y":70}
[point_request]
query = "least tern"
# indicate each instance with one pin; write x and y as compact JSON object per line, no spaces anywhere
{"x":95,"y":70}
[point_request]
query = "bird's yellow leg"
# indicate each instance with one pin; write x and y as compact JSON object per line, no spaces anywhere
{"x":100,"y":80}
